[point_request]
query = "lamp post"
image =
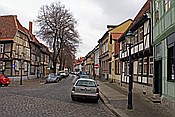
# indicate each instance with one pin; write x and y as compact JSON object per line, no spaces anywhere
{"x":22,"y":61}
{"x":129,"y":36}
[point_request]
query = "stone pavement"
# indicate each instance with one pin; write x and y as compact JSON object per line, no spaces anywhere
{"x":35,"y":81}
{"x":114,"y":97}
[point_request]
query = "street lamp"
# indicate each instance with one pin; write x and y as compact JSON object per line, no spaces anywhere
{"x":22,"y":61}
{"x":129,"y":37}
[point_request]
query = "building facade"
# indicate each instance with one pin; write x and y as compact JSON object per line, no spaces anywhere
{"x":163,"y":13}
{"x":114,"y":64}
{"x":22,"y":56}
{"x":105,"y":55}
{"x":96,"y":61}
{"x":14,"y":48}
{"x":141,"y":52}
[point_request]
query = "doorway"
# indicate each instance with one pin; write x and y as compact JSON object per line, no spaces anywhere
{"x":158,"y":77}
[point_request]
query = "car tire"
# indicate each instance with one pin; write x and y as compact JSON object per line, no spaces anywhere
{"x":96,"y":101}
{"x":6,"y":84}
{"x":1,"y":84}
{"x":73,"y":98}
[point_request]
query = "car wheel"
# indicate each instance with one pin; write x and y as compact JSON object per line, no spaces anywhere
{"x":96,"y":101}
{"x":1,"y":84}
{"x":73,"y":98}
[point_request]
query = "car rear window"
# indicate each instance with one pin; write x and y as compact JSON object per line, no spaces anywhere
{"x":86,"y":83}
{"x":84,"y":76}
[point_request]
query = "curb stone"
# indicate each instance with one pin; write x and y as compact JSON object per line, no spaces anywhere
{"x":116,"y":111}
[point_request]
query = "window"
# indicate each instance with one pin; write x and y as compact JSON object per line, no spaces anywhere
{"x":106,"y":46}
{"x":110,"y":68}
{"x":17,"y":65}
{"x":156,"y":11}
{"x":125,"y":65}
{"x":25,"y":66}
{"x":166,"y":5}
{"x":1,"y":48}
{"x":117,"y":69}
{"x":141,"y":33}
{"x":171,"y":59}
{"x":8,"y":47}
{"x":140,"y":66}
{"x":151,"y":66}
{"x":2,"y":66}
{"x":136,"y":36}
{"x":145,"y":66}
{"x":123,"y":45}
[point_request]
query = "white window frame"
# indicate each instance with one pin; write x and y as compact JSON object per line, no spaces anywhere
{"x":17,"y":65}
{"x":25,"y":66}
{"x":1,"y":48}
{"x":167,"y":5}
{"x":151,"y":63}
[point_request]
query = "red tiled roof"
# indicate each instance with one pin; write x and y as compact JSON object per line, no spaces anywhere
{"x":9,"y":25}
{"x":144,"y":9}
{"x":79,"y":60}
{"x":32,"y":37}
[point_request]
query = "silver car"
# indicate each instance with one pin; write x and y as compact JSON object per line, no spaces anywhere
{"x":52,"y":77}
{"x":85,"y":89}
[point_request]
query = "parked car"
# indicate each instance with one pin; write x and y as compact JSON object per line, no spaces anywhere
{"x":84,"y":76}
{"x":52,"y":77}
{"x":85,"y":89}
{"x":63,"y":74}
{"x":4,"y":81}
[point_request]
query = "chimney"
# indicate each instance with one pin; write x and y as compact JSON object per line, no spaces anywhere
{"x":30,"y":27}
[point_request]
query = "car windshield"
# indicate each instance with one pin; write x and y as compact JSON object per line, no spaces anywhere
{"x":86,"y":83}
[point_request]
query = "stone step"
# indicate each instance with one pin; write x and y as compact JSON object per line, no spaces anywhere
{"x":155,"y":98}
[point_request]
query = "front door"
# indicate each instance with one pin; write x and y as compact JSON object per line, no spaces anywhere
{"x":158,"y":77}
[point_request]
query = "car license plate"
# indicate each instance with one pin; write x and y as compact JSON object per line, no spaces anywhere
{"x":85,"y":90}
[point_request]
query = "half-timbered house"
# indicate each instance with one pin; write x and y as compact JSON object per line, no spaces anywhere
{"x":35,"y":54}
{"x":15,"y":50}
{"x":114,"y":34}
{"x":141,"y":52}
{"x":45,"y":58}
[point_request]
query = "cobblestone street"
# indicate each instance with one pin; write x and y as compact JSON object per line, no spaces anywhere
{"x":46,"y":100}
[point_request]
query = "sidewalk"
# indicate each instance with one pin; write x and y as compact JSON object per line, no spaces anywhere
{"x":30,"y":82}
{"x":114,"y":97}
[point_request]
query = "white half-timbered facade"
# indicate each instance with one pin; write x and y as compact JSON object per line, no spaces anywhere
{"x":141,"y":51}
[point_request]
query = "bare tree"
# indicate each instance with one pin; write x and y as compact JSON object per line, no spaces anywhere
{"x":58,"y":30}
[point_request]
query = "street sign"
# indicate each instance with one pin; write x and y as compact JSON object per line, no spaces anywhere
{"x":13,"y":65}
{"x":96,"y":66}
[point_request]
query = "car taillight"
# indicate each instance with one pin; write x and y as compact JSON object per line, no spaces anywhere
{"x":97,"y":91}
{"x":73,"y":89}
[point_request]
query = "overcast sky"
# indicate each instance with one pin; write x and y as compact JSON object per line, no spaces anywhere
{"x":93,"y":15}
